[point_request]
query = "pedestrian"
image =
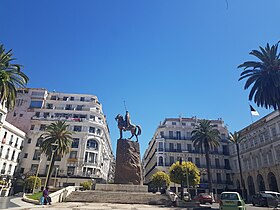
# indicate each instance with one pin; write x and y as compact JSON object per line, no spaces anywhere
{"x":47,"y":198}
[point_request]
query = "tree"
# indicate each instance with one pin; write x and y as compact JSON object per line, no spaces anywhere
{"x":29,"y":183}
{"x":206,"y":138}
{"x":263,"y":76}
{"x":187,"y":172}
{"x":160,"y":180}
{"x":237,"y":139}
{"x":11,"y":78}
{"x":86,"y":185}
{"x":56,"y":133}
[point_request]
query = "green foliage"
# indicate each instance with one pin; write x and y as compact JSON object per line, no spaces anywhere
{"x":29,"y":183}
{"x":56,"y":133}
{"x":2,"y":182}
{"x":187,"y":170}
{"x":160,"y":179}
{"x":35,"y":196}
{"x":263,"y":76}
{"x":86,"y":185}
{"x":11,"y":78}
{"x":205,"y":137}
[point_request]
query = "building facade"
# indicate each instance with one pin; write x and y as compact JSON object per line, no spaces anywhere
{"x":260,"y":155}
{"x":172,"y":141}
{"x":91,"y":153}
{"x":11,"y":141}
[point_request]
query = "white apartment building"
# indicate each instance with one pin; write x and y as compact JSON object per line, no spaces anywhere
{"x":172,"y":141}
{"x":11,"y":141}
{"x":260,"y":155}
{"x":91,"y":153}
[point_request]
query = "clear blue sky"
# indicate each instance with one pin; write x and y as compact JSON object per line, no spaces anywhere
{"x":164,"y":58}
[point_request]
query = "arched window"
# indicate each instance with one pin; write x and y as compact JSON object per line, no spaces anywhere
{"x":92,"y":144}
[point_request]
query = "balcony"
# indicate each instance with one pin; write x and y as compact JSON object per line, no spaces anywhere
{"x":90,"y":164}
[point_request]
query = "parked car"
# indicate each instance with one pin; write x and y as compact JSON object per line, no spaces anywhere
{"x":264,"y":199}
{"x":187,"y":196}
{"x":203,"y":198}
{"x":231,"y":201}
{"x":274,"y":194}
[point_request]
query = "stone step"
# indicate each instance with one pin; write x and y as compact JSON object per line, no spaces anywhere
{"x":118,"y":197}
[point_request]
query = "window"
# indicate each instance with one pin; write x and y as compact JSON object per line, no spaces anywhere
{"x":82,"y":99}
{"x":79,"y":107}
{"x":179,"y":147}
{"x":98,"y":131}
{"x":183,"y":123}
{"x":29,"y":141}
{"x":189,"y":147}
{"x":217,"y":162}
{"x":171,"y":147}
{"x":53,"y":97}
{"x":68,"y":107}
{"x":37,"y":114}
{"x":42,"y":127}
{"x":72,"y":98}
{"x":92,"y":144}
{"x":225,"y":150}
{"x":173,"y":123}
{"x":36,"y":104}
{"x":75,"y":143}
{"x":49,"y":106}
{"x":160,"y":146}
{"x":65,"y":98}
{"x":25,"y":155}
{"x":162,"y":134}
{"x":197,"y":162}
{"x":20,"y":115}
{"x":39,"y":142}
{"x":91,"y":129}
{"x":70,"y":170}
{"x":77,"y":128}
{"x":219,"y":178}
{"x":171,"y":134}
{"x":160,"y":161}
{"x":37,"y":154}
{"x":227,"y":165}
{"x":190,"y":159}
{"x":178,"y":135}
{"x":171,"y":160}
{"x":11,"y":140}
{"x":73,"y":154}
{"x":34,"y":168}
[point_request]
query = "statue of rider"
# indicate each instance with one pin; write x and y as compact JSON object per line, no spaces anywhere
{"x":127,"y":122}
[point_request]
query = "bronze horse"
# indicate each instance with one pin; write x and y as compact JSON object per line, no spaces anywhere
{"x":122,"y":125}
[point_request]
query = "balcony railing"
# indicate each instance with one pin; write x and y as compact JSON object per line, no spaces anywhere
{"x":72,"y":160}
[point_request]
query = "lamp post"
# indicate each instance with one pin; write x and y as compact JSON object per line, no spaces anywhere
{"x":54,"y":148}
{"x":37,"y":172}
{"x":181,"y":177}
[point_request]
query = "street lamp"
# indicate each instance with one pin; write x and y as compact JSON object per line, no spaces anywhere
{"x":56,"y":170}
{"x":181,"y":177}
{"x":54,"y":147}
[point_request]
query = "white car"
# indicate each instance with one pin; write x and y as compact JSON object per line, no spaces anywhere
{"x":231,"y":201}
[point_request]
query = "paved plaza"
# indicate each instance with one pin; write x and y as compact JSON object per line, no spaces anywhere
{"x":109,"y":206}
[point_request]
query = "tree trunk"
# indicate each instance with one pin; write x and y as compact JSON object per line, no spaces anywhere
{"x":51,"y":169}
{"x":240,"y":171}
{"x":209,"y":175}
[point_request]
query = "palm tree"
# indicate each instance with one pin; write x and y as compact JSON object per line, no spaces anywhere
{"x":11,"y":78}
{"x":206,"y":138}
{"x":263,"y":76}
{"x":237,"y":139}
{"x":56,"y":133}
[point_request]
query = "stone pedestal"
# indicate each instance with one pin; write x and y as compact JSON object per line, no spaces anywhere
{"x":128,"y":163}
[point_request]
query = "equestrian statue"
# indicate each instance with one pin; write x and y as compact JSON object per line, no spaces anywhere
{"x":126,"y":125}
